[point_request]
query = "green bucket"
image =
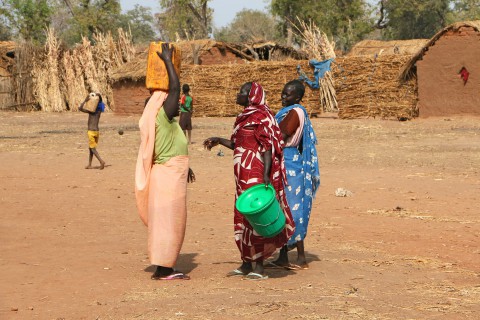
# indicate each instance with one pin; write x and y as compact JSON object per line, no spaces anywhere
{"x":261,"y":208}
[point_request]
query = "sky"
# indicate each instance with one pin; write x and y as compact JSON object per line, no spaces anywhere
{"x":224,"y":10}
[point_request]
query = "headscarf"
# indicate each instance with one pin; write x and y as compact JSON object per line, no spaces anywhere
{"x":309,"y":152}
{"x":257,"y":113}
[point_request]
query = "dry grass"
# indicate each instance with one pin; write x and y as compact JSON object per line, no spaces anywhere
{"x":378,"y":47}
{"x":365,"y":87}
{"x":369,"y":88}
{"x":320,"y":48}
{"x":22,"y":81}
{"x":63,"y":77}
{"x":46,"y":76}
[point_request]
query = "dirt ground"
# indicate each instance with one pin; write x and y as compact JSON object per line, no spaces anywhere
{"x":405,"y":245}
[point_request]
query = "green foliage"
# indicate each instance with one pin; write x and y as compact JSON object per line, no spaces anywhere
{"x":347,"y":21}
{"x":248,"y":26}
{"x":415,"y":19}
{"x":190,"y":19}
{"x":5,"y":33}
{"x":139,"y":21}
{"x":465,"y":10}
{"x":27,"y":18}
{"x":91,"y":16}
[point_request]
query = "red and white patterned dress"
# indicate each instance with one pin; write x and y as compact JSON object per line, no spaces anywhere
{"x":255,"y":132}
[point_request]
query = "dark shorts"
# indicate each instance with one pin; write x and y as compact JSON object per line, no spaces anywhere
{"x":185,"y":120}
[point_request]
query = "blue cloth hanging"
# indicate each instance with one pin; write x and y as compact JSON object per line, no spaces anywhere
{"x":320,"y":67}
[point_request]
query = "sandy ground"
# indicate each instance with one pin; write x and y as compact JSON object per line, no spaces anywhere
{"x":403,"y":246}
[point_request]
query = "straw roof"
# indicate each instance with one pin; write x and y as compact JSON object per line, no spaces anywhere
{"x":408,"y":69}
{"x":136,"y":68}
{"x":377,"y":47}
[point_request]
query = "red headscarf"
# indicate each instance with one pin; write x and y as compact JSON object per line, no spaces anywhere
{"x":257,"y":113}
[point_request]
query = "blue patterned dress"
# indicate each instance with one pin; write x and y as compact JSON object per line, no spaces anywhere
{"x":303,"y":175}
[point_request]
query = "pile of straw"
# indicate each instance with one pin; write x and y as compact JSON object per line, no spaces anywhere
{"x":378,"y":47}
{"x":368,"y":87}
{"x":23,"y":87}
{"x":63,"y":78}
{"x":215,"y":87}
{"x":45,"y":73}
{"x":318,"y":47}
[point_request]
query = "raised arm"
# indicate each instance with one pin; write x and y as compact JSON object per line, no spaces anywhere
{"x":82,"y":104}
{"x":171,"y":103}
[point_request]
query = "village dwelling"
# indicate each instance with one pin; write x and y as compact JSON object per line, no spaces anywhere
{"x":7,"y":98}
{"x":375,"y":48}
{"x":128,"y":80}
{"x":447,"y":69}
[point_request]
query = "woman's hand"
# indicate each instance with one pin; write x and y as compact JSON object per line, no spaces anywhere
{"x":191,"y":176}
{"x":266,"y":180}
{"x":211,"y":142}
{"x":167,"y":52}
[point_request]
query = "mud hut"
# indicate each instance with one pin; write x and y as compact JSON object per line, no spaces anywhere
{"x":374,"y":48}
{"x":447,"y":69}
{"x":7,"y":98}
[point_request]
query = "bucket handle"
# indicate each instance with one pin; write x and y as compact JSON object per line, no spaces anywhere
{"x":269,"y":224}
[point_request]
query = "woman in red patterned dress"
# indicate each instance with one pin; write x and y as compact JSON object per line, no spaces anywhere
{"x":257,"y":158}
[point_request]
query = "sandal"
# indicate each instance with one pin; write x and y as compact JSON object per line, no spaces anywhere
{"x":255,"y":276}
{"x":293,"y":266}
{"x":173,"y":276}
{"x":236,"y":272}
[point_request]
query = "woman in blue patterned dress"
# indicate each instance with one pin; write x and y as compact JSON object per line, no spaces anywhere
{"x":301,"y":162}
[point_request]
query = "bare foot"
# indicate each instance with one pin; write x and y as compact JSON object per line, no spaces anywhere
{"x":102,"y":165}
{"x":89,"y":167}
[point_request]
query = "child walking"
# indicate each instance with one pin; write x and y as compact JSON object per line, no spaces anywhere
{"x":186,"y":110}
{"x":93,"y":130}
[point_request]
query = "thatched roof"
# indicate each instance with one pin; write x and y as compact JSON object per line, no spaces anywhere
{"x":377,"y":47}
{"x":408,"y":69}
{"x":136,"y":70}
{"x":275,"y":52}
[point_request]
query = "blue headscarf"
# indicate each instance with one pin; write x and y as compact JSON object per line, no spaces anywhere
{"x":309,"y":152}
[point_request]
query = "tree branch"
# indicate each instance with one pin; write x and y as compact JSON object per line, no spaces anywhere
{"x":381,"y":23}
{"x":197,"y":15}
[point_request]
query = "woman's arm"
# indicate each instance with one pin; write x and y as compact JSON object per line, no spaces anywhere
{"x":171,"y":103}
{"x":214,"y":141}
{"x":289,"y":124}
{"x":267,"y":166}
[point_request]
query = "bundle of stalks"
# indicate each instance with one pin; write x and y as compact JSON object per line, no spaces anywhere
{"x":370,"y":88}
{"x":74,"y":86}
{"x":216,"y":86}
{"x":22,"y":81}
{"x":61,"y":79}
{"x":106,"y":56}
{"x":365,"y":87}
{"x":125,"y":45}
{"x":318,"y":47}
{"x":88,"y":67}
{"x":45,"y":74}
{"x":85,"y":56}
